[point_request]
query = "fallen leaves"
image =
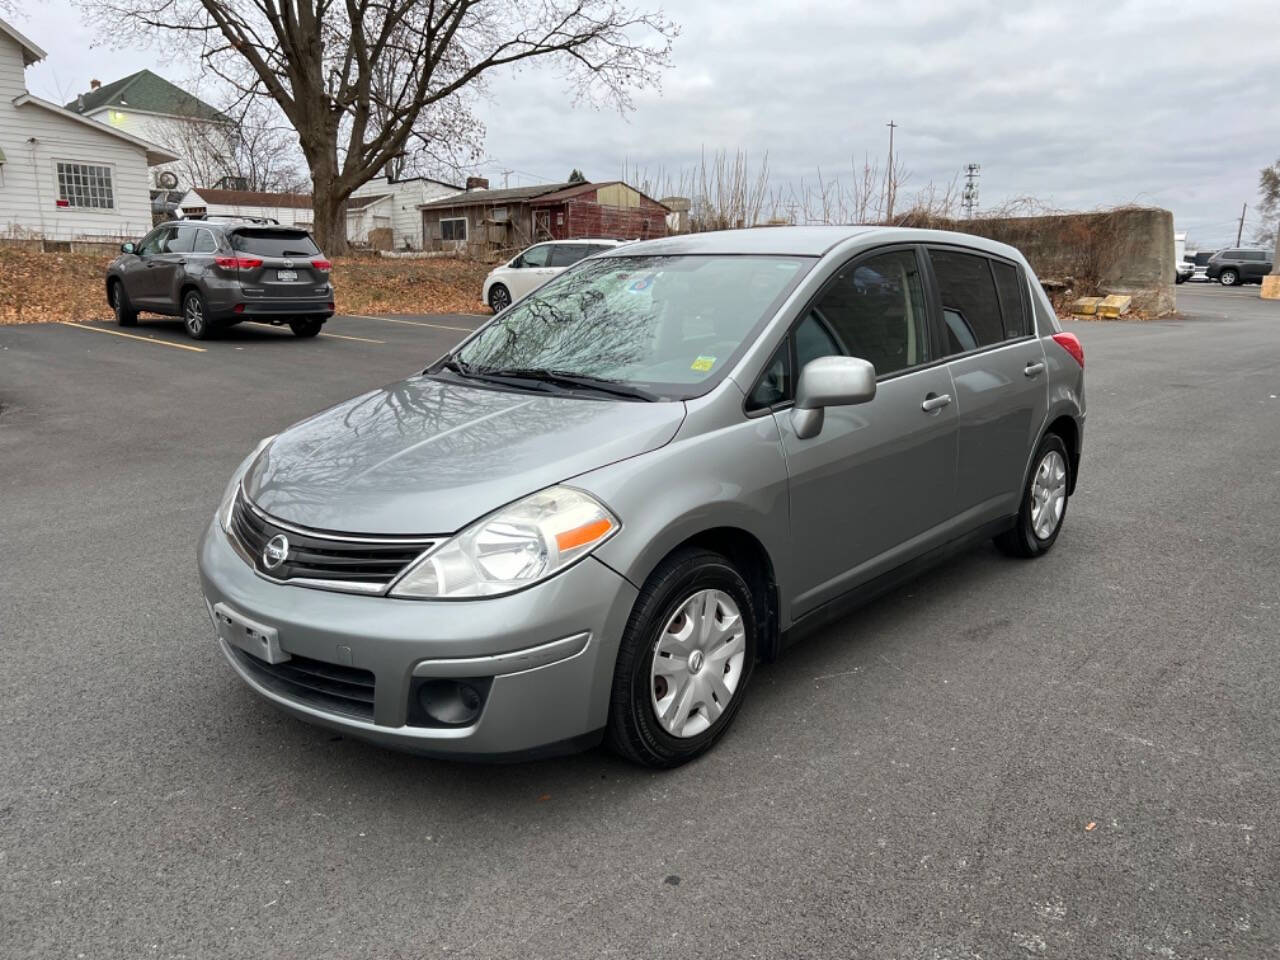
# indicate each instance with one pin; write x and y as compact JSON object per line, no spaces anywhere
{"x":40,"y":287}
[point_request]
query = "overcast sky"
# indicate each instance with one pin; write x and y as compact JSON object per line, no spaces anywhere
{"x":1078,"y":105}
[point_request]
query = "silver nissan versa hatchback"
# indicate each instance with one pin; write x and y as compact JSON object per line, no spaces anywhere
{"x":594,"y":516}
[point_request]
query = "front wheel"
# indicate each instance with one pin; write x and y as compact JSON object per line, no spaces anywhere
{"x":1229,"y":278}
{"x":1044,"y":502}
{"x":499,"y":298}
{"x":684,"y":662}
{"x":1180,"y":278}
{"x":305,"y":328}
{"x":126,"y":316}
{"x":193,"y":316}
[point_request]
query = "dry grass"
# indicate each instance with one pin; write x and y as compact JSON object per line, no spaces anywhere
{"x":46,"y":287}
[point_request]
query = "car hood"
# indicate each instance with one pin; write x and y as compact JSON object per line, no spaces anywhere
{"x":428,"y":456}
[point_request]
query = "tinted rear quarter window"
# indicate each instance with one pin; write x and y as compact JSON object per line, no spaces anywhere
{"x":970,"y":305}
{"x":567,"y":254}
{"x":1012,"y":307}
{"x":274,"y":243}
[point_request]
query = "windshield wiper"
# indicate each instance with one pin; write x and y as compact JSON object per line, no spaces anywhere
{"x":575,"y":381}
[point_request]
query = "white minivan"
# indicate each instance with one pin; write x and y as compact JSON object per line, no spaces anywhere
{"x":535,"y":266}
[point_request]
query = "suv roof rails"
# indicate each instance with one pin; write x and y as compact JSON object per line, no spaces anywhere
{"x":233,"y":218}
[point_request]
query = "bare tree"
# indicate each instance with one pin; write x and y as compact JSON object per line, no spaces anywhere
{"x":1268,"y":203}
{"x":355,"y":77}
{"x":246,"y":139}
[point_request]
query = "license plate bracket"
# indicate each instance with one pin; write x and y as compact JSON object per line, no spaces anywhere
{"x":287,"y":276}
{"x":256,"y":639}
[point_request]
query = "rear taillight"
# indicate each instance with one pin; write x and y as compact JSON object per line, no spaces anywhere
{"x":1071,"y":343}
{"x":322,"y":265}
{"x":238,"y":263}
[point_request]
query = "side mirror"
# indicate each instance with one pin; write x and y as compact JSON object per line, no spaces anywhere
{"x":127,"y":248}
{"x":830,"y":382}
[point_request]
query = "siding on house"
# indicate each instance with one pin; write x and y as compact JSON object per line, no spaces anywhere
{"x":34,"y":139}
{"x":402,"y":207}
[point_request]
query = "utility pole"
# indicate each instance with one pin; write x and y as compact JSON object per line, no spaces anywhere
{"x":1240,"y":229}
{"x":969,"y":199}
{"x":888,"y":175}
{"x":506,"y":178}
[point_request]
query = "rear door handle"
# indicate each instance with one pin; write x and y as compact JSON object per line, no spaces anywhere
{"x":935,"y":402}
{"x":1034,"y":368}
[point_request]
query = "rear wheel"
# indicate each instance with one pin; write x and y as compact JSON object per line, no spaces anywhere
{"x":305,"y":328}
{"x":193,"y":316}
{"x":126,"y":316}
{"x":1229,"y":278}
{"x":499,"y":297}
{"x":1044,"y":502}
{"x":684,"y":662}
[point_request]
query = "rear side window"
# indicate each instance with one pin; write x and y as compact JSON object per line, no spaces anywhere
{"x":567,"y":254}
{"x":970,"y":306}
{"x":205,"y":242}
{"x":1254,"y":255}
{"x":274,"y":243}
{"x":1012,"y":306}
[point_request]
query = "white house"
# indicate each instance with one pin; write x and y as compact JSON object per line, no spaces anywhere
{"x":290,"y":209}
{"x":147,"y":105}
{"x":387,"y":202}
{"x":62,"y":176}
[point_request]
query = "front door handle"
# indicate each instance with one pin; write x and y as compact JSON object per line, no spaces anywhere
{"x":1034,"y":368}
{"x":935,"y":402}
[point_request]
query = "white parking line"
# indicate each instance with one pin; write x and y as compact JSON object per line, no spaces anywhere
{"x":343,"y":336}
{"x":132,"y":336}
{"x":412,"y":323}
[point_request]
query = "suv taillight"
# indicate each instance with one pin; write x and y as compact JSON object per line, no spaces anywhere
{"x":1071,"y":343}
{"x":238,"y":263}
{"x":324,"y":266}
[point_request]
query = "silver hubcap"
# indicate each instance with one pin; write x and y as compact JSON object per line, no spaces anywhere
{"x":1048,"y":494}
{"x":195,"y":316}
{"x":698,"y":663}
{"x":500,"y":300}
{"x":1228,"y":279}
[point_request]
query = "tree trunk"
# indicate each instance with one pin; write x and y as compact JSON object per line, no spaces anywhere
{"x":328,"y":205}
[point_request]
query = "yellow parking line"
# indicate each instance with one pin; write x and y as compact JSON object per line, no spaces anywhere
{"x":343,"y":336}
{"x":133,"y":336}
{"x":412,"y":323}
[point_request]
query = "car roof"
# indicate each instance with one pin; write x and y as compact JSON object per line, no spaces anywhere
{"x":595,"y":240}
{"x":812,"y":241}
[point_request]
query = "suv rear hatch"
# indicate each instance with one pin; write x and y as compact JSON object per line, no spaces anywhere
{"x":279,"y":263}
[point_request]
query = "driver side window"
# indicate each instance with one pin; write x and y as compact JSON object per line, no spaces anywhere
{"x":154,"y":241}
{"x":535,"y":256}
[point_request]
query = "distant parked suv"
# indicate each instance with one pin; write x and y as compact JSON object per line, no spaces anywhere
{"x":1230,"y":267}
{"x":214,"y":274}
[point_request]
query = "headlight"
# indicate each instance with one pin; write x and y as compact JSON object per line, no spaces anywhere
{"x":229,"y":495}
{"x":519,"y":545}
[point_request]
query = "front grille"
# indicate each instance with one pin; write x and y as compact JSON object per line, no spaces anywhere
{"x":326,"y":686}
{"x":320,"y":559}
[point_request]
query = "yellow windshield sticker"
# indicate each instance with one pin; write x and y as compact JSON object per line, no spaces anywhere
{"x":703,"y":364}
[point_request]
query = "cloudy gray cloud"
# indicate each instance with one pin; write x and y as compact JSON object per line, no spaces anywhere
{"x":1077,"y":105}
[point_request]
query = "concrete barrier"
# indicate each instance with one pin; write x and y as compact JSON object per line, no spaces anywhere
{"x":1125,"y":251}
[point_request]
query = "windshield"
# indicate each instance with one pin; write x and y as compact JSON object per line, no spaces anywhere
{"x":275,"y":243}
{"x":669,"y":325}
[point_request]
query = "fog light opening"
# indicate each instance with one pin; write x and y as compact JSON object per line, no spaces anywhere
{"x":453,"y":703}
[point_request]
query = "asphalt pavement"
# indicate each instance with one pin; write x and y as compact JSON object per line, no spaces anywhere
{"x":1073,"y":757}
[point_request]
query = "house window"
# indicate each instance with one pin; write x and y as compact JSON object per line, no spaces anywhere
{"x":85,"y":185}
{"x":453,"y":229}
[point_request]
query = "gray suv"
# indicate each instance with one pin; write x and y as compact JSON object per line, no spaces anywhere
{"x":214,"y":274}
{"x":594,"y":516}
{"x":1230,"y":267}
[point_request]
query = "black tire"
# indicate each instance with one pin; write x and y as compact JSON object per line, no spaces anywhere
{"x":1023,"y":540}
{"x":1229,"y":278}
{"x":499,"y":297}
{"x":635,"y":730}
{"x":1179,"y":278}
{"x":126,"y":316}
{"x":305,"y":328}
{"x":194,"y":317}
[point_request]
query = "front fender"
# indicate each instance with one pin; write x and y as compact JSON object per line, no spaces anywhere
{"x":732,"y":477}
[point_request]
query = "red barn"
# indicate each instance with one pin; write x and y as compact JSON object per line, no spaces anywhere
{"x":613,"y":209}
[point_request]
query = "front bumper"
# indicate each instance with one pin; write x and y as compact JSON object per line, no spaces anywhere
{"x":528,"y":709}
